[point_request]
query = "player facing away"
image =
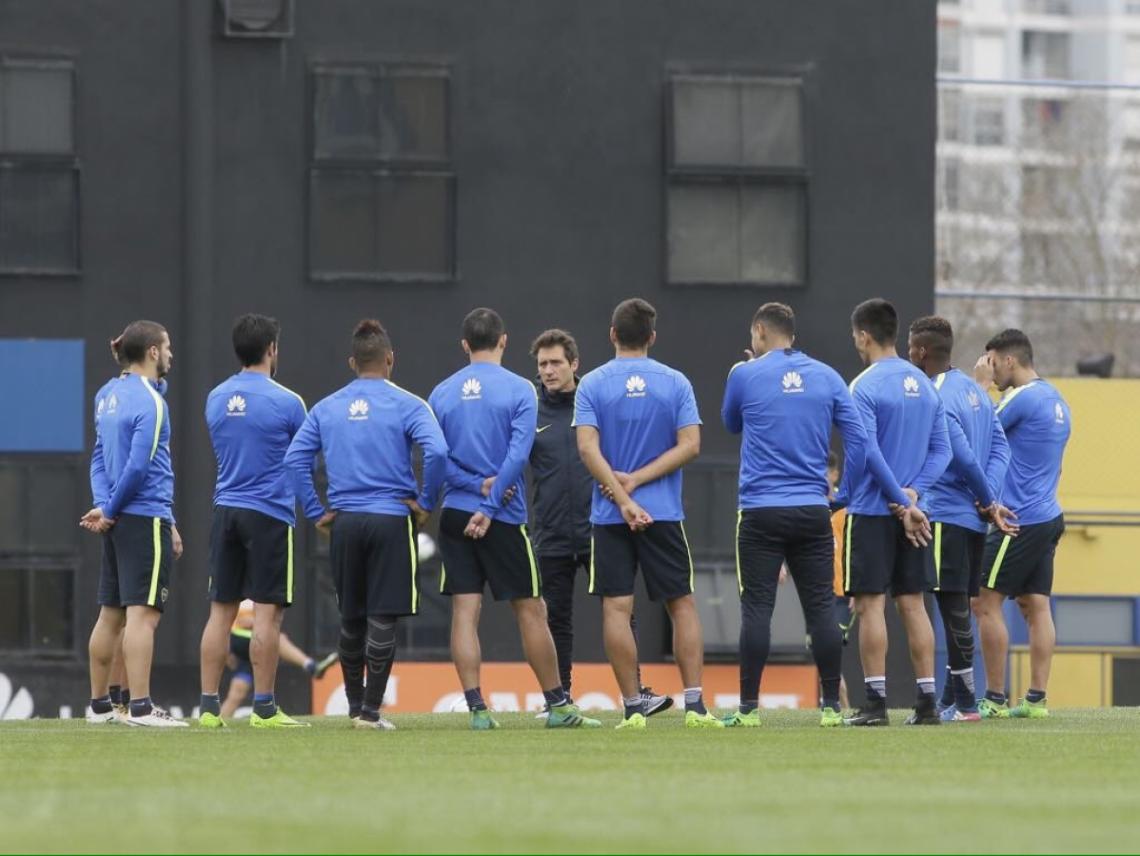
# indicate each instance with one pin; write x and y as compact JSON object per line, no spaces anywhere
{"x":1037,"y":423}
{"x":905,"y":416}
{"x":135,"y":519}
{"x":563,"y":490}
{"x":488,"y":416}
{"x":365,"y":433}
{"x":785,"y":404}
{"x":251,"y":419}
{"x":959,"y":507}
{"x":637,"y":425}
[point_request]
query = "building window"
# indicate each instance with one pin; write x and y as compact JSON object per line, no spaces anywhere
{"x":949,"y":47}
{"x":989,"y":121}
{"x":381,"y":183}
{"x":989,"y":56}
{"x":39,"y":172}
{"x":737,"y":181}
{"x":37,"y":608}
{"x":1045,"y":55}
{"x":1047,"y":7}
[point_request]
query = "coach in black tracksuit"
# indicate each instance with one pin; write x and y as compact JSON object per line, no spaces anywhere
{"x":562,"y":493}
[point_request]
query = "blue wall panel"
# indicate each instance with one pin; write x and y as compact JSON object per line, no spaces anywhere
{"x":41,"y":390}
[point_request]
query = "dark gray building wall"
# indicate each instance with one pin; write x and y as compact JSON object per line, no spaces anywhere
{"x":558,"y":149}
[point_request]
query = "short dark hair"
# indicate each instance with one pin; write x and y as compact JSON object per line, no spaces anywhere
{"x":482,"y":329}
{"x":138,"y":338}
{"x":634,"y":321}
{"x":553,"y":338}
{"x":878,"y":319}
{"x":778,"y":316}
{"x":370,"y":343}
{"x":1012,"y":341}
{"x":252,"y":336}
{"x":934,"y":333}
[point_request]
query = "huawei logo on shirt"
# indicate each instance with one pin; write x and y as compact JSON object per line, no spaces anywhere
{"x":358,"y":410}
{"x":112,"y":403}
{"x":635,"y":387}
{"x":472,"y":389}
{"x":973,"y":400}
{"x":792,"y":382}
{"x":910,"y":386}
{"x":235,"y":406}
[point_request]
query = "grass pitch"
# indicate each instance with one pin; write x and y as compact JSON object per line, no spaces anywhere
{"x":1069,"y":783}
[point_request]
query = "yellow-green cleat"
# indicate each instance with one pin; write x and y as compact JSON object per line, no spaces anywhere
{"x":990,"y":709}
{"x":278,"y":720}
{"x":211,"y":720}
{"x":736,"y":719}
{"x":830,"y":718}
{"x":568,"y":716}
{"x":1026,"y":709}
{"x":702,"y":720}
{"x":481,"y":720}
{"x":633,"y":723}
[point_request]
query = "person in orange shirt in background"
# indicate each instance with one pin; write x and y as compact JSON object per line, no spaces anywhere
{"x":241,"y":681}
{"x":843,"y":613}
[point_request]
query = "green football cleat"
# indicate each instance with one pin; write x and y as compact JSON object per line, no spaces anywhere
{"x":211,"y":720}
{"x":736,"y":719}
{"x":830,"y":718}
{"x":1026,"y":709}
{"x":279,"y":720}
{"x":990,"y":709}
{"x":481,"y":720}
{"x":568,"y":716}
{"x":702,"y":720}
{"x":633,"y":723}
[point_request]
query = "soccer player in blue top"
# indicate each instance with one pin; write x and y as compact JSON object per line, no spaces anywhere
{"x":903,"y":412}
{"x":365,"y":432}
{"x":959,"y":507}
{"x":135,"y":516}
{"x":637,"y":425}
{"x":252,"y":419}
{"x":488,"y":416}
{"x":786,"y":403}
{"x":1037,"y":423}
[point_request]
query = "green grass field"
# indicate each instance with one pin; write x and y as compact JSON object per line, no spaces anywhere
{"x":1070,"y":783}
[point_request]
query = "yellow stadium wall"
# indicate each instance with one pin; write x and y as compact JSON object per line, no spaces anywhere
{"x":1101,"y":474}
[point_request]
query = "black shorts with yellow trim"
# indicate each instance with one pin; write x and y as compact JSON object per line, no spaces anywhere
{"x":957,"y":556}
{"x":137,"y":559}
{"x":878,"y":558}
{"x":242,"y":663}
{"x":502,"y":559}
{"x":661,"y":551}
{"x":374,"y":561}
{"x":1022,"y":565}
{"x":251,"y":556}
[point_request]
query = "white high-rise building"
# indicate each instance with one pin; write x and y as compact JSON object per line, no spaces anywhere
{"x":1038,"y":183}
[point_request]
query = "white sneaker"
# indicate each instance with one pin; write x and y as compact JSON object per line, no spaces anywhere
{"x":100,"y":718}
{"x":157,"y":718}
{"x":655,"y":703}
{"x":380,"y":724}
{"x":122,"y":714}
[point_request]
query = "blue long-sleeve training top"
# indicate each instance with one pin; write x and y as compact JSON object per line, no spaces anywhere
{"x":488,"y":415}
{"x":365,"y":432}
{"x":134,"y":443}
{"x":786,"y":403}
{"x":252,"y":419}
{"x":980,"y":454}
{"x":902,"y":411}
{"x":637,"y":405}
{"x":1037,"y":423}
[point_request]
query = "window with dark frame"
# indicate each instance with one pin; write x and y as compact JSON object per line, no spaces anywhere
{"x":39,"y":170}
{"x":737,"y":181}
{"x":381,"y":182}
